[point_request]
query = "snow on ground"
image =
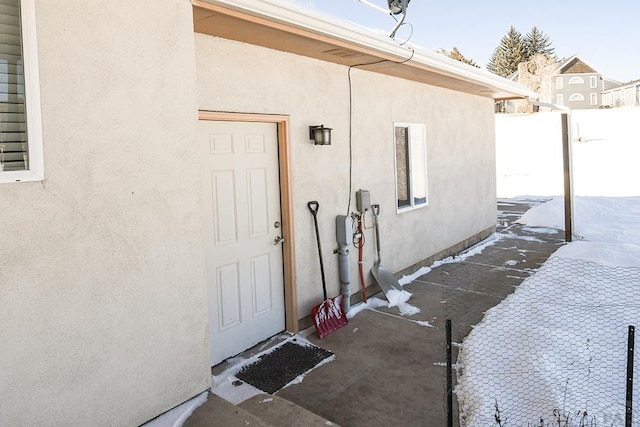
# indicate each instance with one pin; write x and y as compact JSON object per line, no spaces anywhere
{"x":559,"y":342}
{"x":597,"y":219}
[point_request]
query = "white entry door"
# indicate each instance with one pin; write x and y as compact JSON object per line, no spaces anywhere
{"x":244,"y":254}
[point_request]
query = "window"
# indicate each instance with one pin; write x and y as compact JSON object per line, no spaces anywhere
{"x":576,"y":81}
{"x":593,"y":82}
{"x":558,"y":82}
{"x":20,"y":133}
{"x":559,"y":99}
{"x":594,"y":99}
{"x":576,"y":97}
{"x":411,"y":165}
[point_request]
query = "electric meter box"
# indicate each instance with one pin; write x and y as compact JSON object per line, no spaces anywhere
{"x":363,"y":200}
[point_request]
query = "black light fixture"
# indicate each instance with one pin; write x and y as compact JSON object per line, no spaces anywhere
{"x":320,"y":135}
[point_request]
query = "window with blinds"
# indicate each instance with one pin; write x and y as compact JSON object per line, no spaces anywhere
{"x":14,"y":153}
{"x":411,"y":165}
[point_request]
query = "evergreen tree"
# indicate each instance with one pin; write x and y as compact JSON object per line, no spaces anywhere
{"x":496,"y":62}
{"x":536,"y":42}
{"x":458,"y":56}
{"x":508,"y":55}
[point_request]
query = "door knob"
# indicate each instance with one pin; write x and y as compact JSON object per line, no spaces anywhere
{"x":278,"y":239}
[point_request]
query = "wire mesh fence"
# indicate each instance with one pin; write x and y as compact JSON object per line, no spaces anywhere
{"x":554,"y":353}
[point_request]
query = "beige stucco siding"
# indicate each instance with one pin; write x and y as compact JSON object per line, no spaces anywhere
{"x":102,"y":277}
{"x":237,"y":77}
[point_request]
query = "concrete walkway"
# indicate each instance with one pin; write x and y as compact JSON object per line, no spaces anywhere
{"x":389,"y":369}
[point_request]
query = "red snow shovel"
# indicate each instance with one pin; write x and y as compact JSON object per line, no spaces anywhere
{"x":328,"y":316}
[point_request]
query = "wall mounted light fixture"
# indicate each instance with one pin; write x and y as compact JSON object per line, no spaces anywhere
{"x":320,"y":135}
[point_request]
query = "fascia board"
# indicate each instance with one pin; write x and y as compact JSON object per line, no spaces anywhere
{"x":293,"y":16}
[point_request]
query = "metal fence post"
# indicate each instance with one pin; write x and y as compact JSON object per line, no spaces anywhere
{"x":449,"y":377}
{"x":629,"y":406}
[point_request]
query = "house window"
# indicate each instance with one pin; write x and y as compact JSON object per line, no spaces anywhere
{"x":411,"y":165}
{"x":558,"y":82}
{"x":559,"y":99}
{"x":593,"y":82}
{"x":20,"y":132}
{"x":576,"y":81}
{"x":576,"y":97}
{"x":594,"y":99}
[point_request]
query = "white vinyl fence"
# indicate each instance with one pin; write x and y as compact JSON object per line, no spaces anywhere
{"x":605,"y":153}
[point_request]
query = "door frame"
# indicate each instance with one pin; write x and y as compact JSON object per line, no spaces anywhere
{"x":286,"y":205}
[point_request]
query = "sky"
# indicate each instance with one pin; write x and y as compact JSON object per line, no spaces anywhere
{"x":605,"y":35}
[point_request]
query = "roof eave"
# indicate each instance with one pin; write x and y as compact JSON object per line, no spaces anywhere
{"x":295,"y":30}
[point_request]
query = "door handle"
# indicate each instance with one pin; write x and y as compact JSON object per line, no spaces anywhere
{"x":278,"y":239}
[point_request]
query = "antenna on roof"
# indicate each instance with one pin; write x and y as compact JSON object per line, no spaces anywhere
{"x":396,"y":7}
{"x":375,"y":6}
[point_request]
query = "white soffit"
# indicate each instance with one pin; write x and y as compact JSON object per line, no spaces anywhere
{"x":287,"y":27}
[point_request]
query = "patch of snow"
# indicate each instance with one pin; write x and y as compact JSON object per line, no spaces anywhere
{"x":609,"y":254}
{"x":178,"y":415}
{"x":424,"y":323}
{"x":399,"y":299}
{"x":371,"y":304}
{"x":396,"y":298}
{"x":405,"y":280}
{"x":542,"y":230}
{"x":598,"y":219}
{"x":235,"y":391}
{"x":521,"y":237}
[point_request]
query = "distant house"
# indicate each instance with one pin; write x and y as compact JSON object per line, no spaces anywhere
{"x":571,"y":82}
{"x":623,"y":95}
{"x":578,"y":85}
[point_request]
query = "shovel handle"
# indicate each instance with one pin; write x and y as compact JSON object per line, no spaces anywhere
{"x":313,"y":207}
{"x":376,"y":211}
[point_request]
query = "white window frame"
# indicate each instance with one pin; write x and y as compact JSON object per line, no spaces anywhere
{"x":576,"y":80}
{"x":32,"y":99}
{"x":594,"y":98}
{"x":560,"y":99}
{"x":576,"y":97}
{"x":559,"y":84}
{"x":417,"y":147}
{"x":593,"y":82}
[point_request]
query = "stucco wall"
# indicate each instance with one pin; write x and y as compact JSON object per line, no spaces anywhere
{"x":102,"y":289}
{"x":237,"y":77}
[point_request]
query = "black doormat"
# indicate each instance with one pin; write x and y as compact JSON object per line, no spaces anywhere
{"x":278,"y":368}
